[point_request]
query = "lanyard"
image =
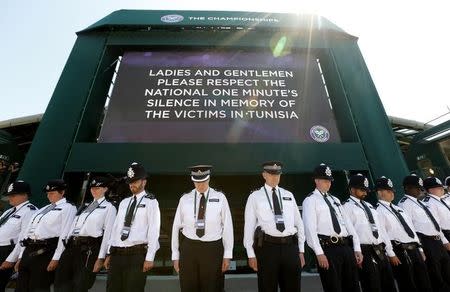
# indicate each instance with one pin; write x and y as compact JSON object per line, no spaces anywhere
{"x":136,"y":208}
{"x":362,"y":208}
{"x":54,"y":206}
{"x":195,"y":203}
{"x":325,"y":195}
{"x":440,"y":200}
{"x":395,"y":215}
{"x":279,"y":198}
{"x":17,"y":210}
{"x":78,"y":217}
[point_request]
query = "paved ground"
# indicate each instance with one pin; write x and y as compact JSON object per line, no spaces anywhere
{"x":233,"y":283}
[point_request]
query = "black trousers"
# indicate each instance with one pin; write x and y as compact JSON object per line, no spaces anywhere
{"x":33,"y":275}
{"x":125,"y":273}
{"x":278,"y":265}
{"x":201,"y":265}
{"x":74,"y":272}
{"x":376,"y":272}
{"x":438,"y":263}
{"x":342,"y":274}
{"x":5,"y":274}
{"x":411,"y":274}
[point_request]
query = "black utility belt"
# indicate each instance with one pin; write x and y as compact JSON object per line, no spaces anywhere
{"x":291,"y":239}
{"x":83,"y":240}
{"x":200,"y":242}
{"x":40,"y":242}
{"x":429,"y":237}
{"x":129,"y":250}
{"x":376,"y":247}
{"x":405,"y":246}
{"x":326,"y":240}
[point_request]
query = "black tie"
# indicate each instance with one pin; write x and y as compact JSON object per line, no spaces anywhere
{"x":129,"y":218}
{"x":6,"y":217}
{"x":371,"y":220}
{"x":436,"y":225}
{"x":277,"y":209}
{"x":201,"y":215}
{"x":336,"y":226}
{"x":402,"y":221}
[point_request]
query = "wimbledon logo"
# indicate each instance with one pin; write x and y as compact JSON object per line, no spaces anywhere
{"x":319,"y":133}
{"x":172,"y":18}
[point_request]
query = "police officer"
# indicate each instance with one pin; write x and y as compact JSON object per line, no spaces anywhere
{"x":447,"y":190}
{"x":274,"y":234}
{"x":134,"y":237}
{"x":331,"y":235}
{"x":375,"y":273}
{"x":13,"y":223}
{"x":427,"y":225}
{"x":86,"y":242}
{"x":408,"y":265}
{"x":41,"y":245}
{"x":205,"y":248}
{"x":435,"y":201}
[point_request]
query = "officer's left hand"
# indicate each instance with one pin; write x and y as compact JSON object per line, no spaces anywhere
{"x":52,"y":266}
{"x":359,"y":258}
{"x":147,"y":266}
{"x":225,"y":265}
{"x":447,"y":246}
{"x":302,"y":259}
{"x":7,"y":265}
{"x":98,"y":265}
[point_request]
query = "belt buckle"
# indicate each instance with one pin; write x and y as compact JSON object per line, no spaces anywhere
{"x":334,"y":239}
{"x":436,"y":237}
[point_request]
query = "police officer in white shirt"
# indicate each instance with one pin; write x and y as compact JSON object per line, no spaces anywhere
{"x":435,"y":201}
{"x":13,"y":222}
{"x":331,"y":235}
{"x":427,"y":225}
{"x":274,"y":234}
{"x":446,"y":197}
{"x":408,"y":265}
{"x":201,"y":252}
{"x":42,"y":243}
{"x":86,"y":242}
{"x":375,"y":272}
{"x":134,"y":237}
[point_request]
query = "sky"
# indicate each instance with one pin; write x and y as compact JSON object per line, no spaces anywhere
{"x":405,"y":45}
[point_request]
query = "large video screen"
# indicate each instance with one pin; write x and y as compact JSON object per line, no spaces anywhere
{"x":219,"y":96}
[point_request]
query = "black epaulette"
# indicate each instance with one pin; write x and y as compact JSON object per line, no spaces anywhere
{"x":32,"y":207}
{"x":377,"y":205}
{"x":310,"y":194}
{"x":219,"y":191}
{"x":348,"y":201}
{"x":403,"y":199}
{"x":426,"y":199}
{"x":150,"y":196}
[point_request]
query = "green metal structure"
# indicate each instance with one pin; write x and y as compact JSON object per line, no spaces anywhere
{"x":429,"y":152}
{"x":66,"y":145}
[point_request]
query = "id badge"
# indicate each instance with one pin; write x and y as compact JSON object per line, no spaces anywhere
{"x":200,"y":224}
{"x":126,"y":231}
{"x":279,"y":219}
